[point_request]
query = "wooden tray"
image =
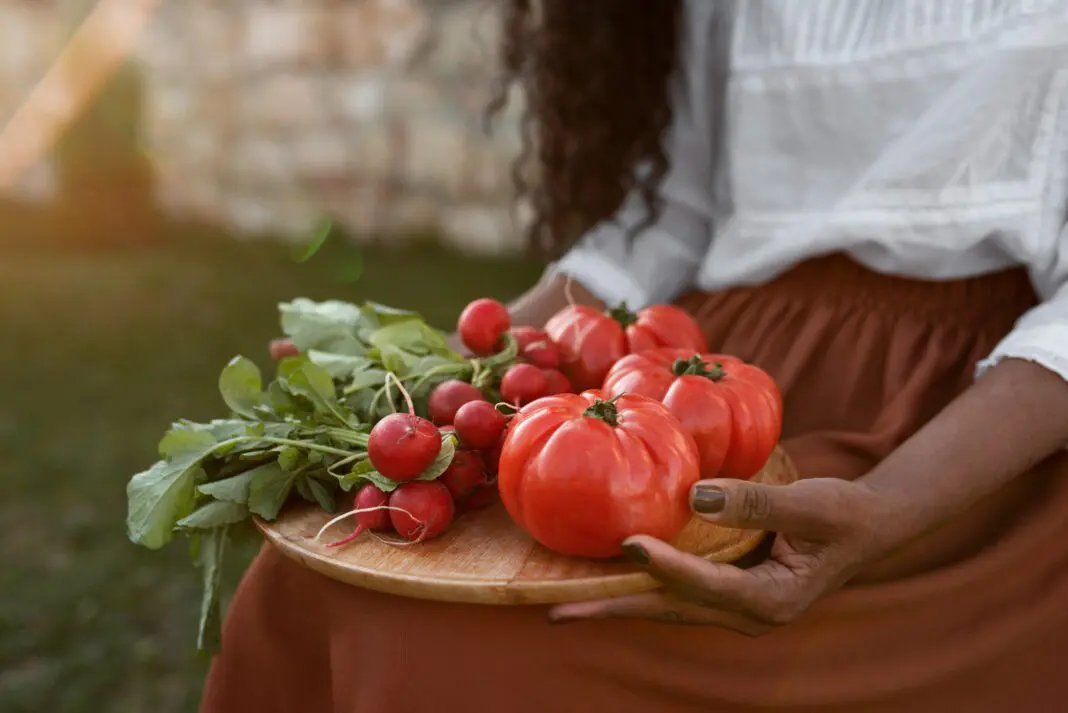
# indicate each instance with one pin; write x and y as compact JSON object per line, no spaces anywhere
{"x":485,"y":558}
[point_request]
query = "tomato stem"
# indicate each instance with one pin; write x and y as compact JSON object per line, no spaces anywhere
{"x":696,"y":366}
{"x":623,"y":315}
{"x":605,"y":411}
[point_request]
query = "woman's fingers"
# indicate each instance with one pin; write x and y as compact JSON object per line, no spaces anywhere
{"x":713,"y":583}
{"x":656,"y":606}
{"x":815,"y":508}
{"x":769,"y":593}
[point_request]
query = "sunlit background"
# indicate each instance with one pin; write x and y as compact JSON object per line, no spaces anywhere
{"x":167,"y":170}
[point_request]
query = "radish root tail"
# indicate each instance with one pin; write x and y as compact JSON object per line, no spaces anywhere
{"x":359,"y":530}
{"x":334,"y":521}
{"x":346,"y":540}
{"x":392,"y":542}
{"x":512,"y":408}
{"x":404,"y":392}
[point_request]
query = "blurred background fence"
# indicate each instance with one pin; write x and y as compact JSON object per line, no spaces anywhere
{"x":265,"y":116}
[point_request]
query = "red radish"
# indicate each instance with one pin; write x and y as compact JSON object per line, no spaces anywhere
{"x":421,"y":510}
{"x":466,"y":472}
{"x":535,"y":346}
{"x":524,"y":383}
{"x":493,"y":457}
{"x":479,"y":425}
{"x":282,"y":348}
{"x":403,"y":445}
{"x":481,"y":325}
{"x":542,"y":353}
{"x":558,"y":383}
{"x":525,"y":335}
{"x":370,"y":509}
{"x":449,"y":396}
{"x":481,"y":497}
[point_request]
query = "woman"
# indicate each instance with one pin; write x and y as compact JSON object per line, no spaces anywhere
{"x":865,"y":198}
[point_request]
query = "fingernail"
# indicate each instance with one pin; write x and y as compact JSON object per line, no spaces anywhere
{"x":637,"y":553}
{"x":708,"y":500}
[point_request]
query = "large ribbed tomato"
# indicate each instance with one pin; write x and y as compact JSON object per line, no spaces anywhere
{"x":732,"y":409}
{"x":592,"y":340}
{"x":581,"y":474}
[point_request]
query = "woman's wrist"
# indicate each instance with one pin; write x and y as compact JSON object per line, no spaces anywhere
{"x":999,"y":428}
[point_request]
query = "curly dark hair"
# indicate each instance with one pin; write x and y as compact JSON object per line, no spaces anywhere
{"x":596,"y":78}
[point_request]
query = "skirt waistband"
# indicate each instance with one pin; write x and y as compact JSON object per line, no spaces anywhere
{"x":992,"y":301}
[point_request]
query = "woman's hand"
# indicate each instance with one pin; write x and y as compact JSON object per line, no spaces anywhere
{"x":826,"y":532}
{"x":828,"y":528}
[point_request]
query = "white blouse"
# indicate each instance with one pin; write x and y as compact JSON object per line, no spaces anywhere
{"x":926,"y":139}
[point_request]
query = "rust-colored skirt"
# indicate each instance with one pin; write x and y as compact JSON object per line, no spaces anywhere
{"x":974,"y":618}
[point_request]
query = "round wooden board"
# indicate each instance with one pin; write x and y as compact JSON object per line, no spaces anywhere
{"x":484,"y":558}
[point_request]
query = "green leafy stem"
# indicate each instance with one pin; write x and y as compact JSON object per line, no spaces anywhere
{"x":306,"y":432}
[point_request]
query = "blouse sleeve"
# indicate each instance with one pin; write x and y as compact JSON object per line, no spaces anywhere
{"x":1041,"y":334}
{"x":657,"y":263}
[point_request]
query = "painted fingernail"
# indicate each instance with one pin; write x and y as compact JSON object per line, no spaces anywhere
{"x":708,"y":500}
{"x":637,"y":553}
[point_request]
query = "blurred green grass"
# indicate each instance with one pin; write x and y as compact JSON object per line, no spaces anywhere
{"x":103,"y":351}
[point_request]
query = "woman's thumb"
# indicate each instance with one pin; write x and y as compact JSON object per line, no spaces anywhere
{"x":754,"y":506}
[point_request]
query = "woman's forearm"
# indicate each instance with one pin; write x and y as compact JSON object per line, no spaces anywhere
{"x":1008,"y":421}
{"x":550,"y":295}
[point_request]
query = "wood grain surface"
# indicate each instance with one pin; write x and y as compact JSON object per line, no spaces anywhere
{"x":484,"y":558}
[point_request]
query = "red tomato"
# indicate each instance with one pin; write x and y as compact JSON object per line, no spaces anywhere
{"x":660,"y":326}
{"x":581,"y":474}
{"x":732,"y":409}
{"x":591,"y":341}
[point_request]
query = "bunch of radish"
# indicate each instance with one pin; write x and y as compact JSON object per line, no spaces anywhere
{"x":482,"y":326}
{"x":402,"y":446}
{"x":479,"y":425}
